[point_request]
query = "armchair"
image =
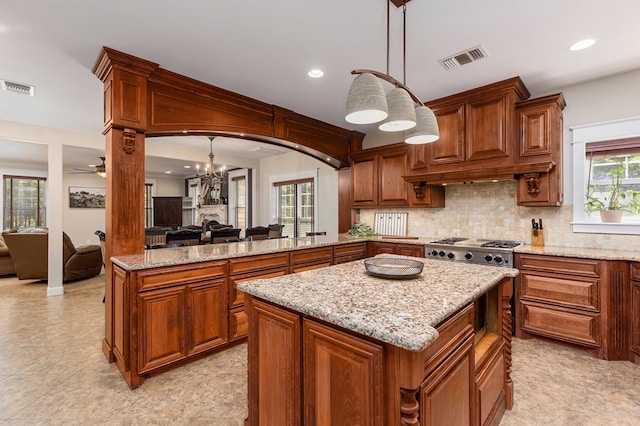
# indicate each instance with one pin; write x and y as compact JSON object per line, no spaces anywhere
{"x":30,"y":254}
{"x":6,"y":262}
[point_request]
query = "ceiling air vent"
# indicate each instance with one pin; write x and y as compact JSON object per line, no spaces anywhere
{"x":463,"y":58}
{"x":10,"y":86}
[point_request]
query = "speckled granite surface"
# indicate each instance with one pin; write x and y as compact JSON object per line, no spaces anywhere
{"x":589,"y":253}
{"x":400,"y":312}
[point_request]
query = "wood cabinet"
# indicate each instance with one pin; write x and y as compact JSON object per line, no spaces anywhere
{"x":349,"y":252}
{"x":634,"y":314}
{"x":244,"y":269}
{"x":405,"y":249}
{"x":167,"y":211}
{"x":477,"y":127}
{"x":312,"y":258}
{"x":354,"y":393}
{"x":377,"y":177}
{"x":540,"y":139}
{"x":305,"y":371}
{"x":579,"y":301}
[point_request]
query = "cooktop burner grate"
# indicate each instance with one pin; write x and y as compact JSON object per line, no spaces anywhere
{"x":502,"y":244}
{"x":449,"y":240}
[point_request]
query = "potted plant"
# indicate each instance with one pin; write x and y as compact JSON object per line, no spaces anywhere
{"x":615,"y":201}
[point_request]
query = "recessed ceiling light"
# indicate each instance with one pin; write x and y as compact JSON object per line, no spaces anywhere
{"x":315,"y":73}
{"x":168,"y":171}
{"x":91,"y":165}
{"x":582,"y":44}
{"x":187,"y":167}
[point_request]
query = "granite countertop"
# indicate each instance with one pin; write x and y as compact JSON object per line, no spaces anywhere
{"x":582,"y":252}
{"x":403,"y":313}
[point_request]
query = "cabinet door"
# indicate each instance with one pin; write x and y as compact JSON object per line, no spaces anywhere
{"x":364,"y":178}
{"x":342,"y":378}
{"x":238,"y":323}
{"x":634,"y":314}
{"x":414,"y":250}
{"x":394,"y":190}
{"x":162,"y":327}
{"x":447,"y":394}
{"x":349,"y":252}
{"x":274,"y":365}
{"x":450,"y":147}
{"x":208,"y":315}
{"x":488,"y":126}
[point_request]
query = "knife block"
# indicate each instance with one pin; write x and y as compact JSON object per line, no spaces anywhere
{"x":537,"y":240}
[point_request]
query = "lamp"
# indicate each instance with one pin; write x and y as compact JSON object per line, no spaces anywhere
{"x":400,"y":109}
{"x":211,"y":180}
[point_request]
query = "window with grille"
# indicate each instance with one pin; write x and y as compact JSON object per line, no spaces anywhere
{"x":239,"y":186}
{"x":24,"y":202}
{"x":148,"y":205}
{"x":295,"y":206}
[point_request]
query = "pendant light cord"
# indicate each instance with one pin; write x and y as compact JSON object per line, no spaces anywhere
{"x":388,"y":36}
{"x":404,"y":43}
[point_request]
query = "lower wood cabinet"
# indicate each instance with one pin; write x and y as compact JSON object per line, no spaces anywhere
{"x":580,"y":301}
{"x":313,"y":258}
{"x":349,"y":252}
{"x":177,"y":322}
{"x":405,"y":249}
{"x":342,"y":377}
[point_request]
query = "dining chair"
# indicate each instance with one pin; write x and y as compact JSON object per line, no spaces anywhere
{"x":275,"y":230}
{"x":224,"y":235}
{"x":312,"y":234}
{"x":188,"y":237}
{"x":257,"y":233}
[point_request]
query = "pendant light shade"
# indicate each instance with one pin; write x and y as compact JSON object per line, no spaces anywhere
{"x":366,"y":103}
{"x":402,"y":114}
{"x":426,"y":129}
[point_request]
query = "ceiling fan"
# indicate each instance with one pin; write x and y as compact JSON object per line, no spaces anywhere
{"x":100,"y":169}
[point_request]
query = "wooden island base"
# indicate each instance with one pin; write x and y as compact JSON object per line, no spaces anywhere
{"x":305,"y":371}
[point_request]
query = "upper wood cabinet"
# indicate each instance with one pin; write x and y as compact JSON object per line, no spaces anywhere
{"x":377,"y":177}
{"x":377,"y":180}
{"x":477,"y":126}
{"x":540,"y":140}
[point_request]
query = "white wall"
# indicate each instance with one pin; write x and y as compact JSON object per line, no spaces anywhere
{"x":293,"y":162}
{"x":489,"y":210}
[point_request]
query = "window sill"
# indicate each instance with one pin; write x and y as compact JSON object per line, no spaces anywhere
{"x":626,"y":228}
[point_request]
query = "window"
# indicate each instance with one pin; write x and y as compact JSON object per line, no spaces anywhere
{"x":239,"y":188}
{"x":148,"y":205}
{"x":295,"y":206}
{"x":24,"y":202}
{"x":597,"y":150}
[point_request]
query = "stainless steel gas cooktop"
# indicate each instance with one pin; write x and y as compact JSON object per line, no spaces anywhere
{"x":470,"y":250}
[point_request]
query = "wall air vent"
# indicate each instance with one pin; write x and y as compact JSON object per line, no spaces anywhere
{"x":10,"y":86}
{"x":463,"y":58}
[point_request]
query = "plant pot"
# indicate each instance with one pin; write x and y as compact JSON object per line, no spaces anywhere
{"x":611,"y":216}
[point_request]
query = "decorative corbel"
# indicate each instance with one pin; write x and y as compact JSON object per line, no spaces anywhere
{"x":533,"y":183}
{"x":129,"y":141}
{"x":418,"y":188}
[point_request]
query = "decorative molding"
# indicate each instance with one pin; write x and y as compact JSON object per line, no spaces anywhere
{"x":409,"y":407}
{"x":129,"y":141}
{"x":418,"y":188}
{"x":533,"y":183}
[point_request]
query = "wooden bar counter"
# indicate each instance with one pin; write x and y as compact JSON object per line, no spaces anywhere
{"x":338,"y":346}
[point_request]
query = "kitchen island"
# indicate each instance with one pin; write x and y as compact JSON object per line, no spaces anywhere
{"x":338,"y":346}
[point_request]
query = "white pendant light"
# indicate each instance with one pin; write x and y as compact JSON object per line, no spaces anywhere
{"x":402,"y":114}
{"x":426,"y":129}
{"x":366,"y":103}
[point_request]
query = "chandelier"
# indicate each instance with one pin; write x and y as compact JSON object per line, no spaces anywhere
{"x":211,"y":181}
{"x":399,"y":109}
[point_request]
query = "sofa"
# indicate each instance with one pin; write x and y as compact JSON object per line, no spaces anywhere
{"x":6,"y":262}
{"x":29,"y":251}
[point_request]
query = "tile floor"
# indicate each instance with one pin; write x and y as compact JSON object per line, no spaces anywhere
{"x":52,"y":372}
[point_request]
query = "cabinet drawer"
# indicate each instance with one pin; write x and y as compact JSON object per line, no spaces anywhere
{"x":414,"y":250}
{"x":236,"y":298}
{"x":238,"y":323}
{"x":351,"y":250}
{"x":559,"y":265}
{"x":309,"y":266}
{"x":569,"y":325}
{"x":315,"y":255}
{"x":242,"y":265}
{"x":566,"y":291}
{"x":174,"y":275}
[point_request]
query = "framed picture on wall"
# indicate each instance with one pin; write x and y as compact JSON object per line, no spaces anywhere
{"x":81,"y":197}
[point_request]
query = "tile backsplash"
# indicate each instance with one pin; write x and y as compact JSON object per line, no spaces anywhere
{"x":489,"y":210}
